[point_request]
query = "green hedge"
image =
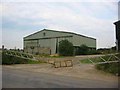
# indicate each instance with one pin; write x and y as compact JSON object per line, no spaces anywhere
{"x":7,"y":60}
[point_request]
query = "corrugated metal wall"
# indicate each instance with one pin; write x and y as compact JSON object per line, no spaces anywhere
{"x":48,"y":41}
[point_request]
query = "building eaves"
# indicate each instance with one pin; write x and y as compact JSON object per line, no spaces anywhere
{"x":117,"y":22}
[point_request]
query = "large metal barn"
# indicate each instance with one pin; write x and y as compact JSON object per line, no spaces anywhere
{"x":47,"y":41}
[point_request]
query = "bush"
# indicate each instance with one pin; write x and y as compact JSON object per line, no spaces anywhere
{"x":85,"y":50}
{"x":65,"y":48}
{"x":109,"y":67}
{"x":113,"y":68}
{"x":92,"y":52}
{"x":7,"y":59}
{"x":82,"y":50}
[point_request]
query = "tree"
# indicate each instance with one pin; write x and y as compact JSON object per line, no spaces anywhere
{"x":65,"y":48}
{"x":83,"y":49}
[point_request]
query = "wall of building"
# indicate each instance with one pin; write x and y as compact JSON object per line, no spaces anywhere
{"x":119,"y":10}
{"x":79,"y":40}
{"x":47,"y":41}
{"x":117,"y":25}
{"x":40,"y":45}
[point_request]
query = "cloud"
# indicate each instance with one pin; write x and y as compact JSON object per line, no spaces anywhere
{"x":89,"y":18}
{"x":14,"y":38}
{"x":59,"y":0}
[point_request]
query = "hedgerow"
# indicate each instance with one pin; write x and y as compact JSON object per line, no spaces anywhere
{"x":7,"y":59}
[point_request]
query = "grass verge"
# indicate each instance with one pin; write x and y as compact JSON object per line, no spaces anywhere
{"x":34,"y":62}
{"x":113,"y":68}
{"x":109,"y":67}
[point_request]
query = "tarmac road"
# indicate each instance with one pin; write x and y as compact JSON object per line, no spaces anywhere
{"x":13,"y":78}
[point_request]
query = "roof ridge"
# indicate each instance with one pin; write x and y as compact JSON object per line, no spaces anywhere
{"x":61,"y":32}
{"x":69,"y":32}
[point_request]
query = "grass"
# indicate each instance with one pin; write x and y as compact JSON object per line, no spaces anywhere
{"x":97,"y":59}
{"x":58,"y":56}
{"x":54,"y":56}
{"x":107,"y":67}
{"x":87,"y":61}
{"x":34,"y":62}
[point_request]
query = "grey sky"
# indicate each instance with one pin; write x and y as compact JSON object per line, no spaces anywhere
{"x":93,"y":18}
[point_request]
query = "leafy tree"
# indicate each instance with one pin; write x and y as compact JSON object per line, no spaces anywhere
{"x":65,"y":48}
{"x":83,"y":49}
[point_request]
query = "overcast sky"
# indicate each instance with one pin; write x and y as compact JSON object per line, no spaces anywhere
{"x":92,"y":18}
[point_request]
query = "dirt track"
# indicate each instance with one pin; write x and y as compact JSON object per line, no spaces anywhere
{"x":19,"y":78}
{"x":78,"y":70}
